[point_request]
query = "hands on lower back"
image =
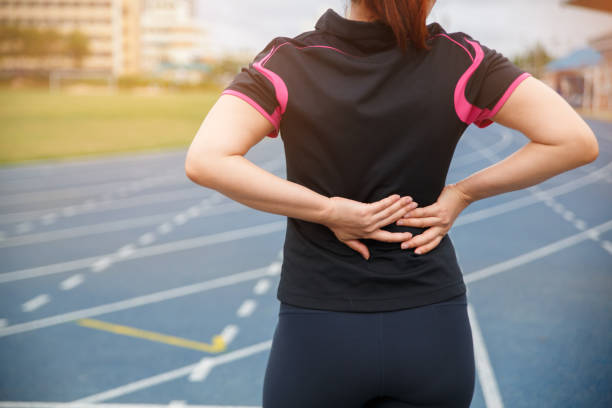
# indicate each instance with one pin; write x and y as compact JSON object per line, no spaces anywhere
{"x":439,"y":217}
{"x":351,"y":220}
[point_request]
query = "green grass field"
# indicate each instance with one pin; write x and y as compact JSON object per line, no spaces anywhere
{"x":37,"y":124}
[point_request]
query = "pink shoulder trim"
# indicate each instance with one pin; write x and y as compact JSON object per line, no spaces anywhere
{"x":469,"y":113}
{"x":274,"y":118}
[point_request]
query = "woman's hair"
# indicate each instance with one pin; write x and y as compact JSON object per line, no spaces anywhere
{"x":405,"y":17}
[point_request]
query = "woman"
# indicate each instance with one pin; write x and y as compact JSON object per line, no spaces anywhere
{"x":370,"y":108}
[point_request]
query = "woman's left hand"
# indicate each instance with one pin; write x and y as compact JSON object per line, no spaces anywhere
{"x":439,"y":217}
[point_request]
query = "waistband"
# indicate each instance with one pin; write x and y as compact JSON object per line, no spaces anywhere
{"x":455,"y":300}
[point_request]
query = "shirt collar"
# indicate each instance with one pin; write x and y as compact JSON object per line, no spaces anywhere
{"x":333,"y":23}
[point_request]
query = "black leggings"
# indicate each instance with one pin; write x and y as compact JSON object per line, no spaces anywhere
{"x":409,"y":358}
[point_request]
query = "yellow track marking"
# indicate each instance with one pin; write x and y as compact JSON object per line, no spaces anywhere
{"x":218,"y":344}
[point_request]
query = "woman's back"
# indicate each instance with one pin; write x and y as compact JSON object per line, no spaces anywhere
{"x":362,"y":120}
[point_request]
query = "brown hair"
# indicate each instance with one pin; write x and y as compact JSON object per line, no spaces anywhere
{"x":405,"y":17}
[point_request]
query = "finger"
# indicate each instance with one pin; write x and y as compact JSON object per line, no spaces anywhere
{"x":399,"y":205}
{"x":384,"y":203}
{"x":387,"y":236}
{"x":383,"y":213}
{"x":423,"y":249}
{"x":359,"y":247}
{"x":423,"y":238}
{"x":429,"y":211}
{"x":419,"y":222}
{"x":396,"y":216}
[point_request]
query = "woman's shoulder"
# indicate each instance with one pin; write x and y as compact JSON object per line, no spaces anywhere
{"x":460,"y":41}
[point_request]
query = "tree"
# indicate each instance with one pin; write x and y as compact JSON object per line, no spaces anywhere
{"x":533,"y":60}
{"x":41,"y":44}
{"x":77,"y":46}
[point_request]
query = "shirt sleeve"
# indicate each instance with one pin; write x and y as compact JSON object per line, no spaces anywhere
{"x":491,"y":83}
{"x":254,"y":87}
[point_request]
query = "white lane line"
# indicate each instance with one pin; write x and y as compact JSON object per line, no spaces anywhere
{"x":107,"y":203}
{"x":246,"y":308}
{"x":174,"y":246}
{"x":41,"y":404}
{"x":505,"y":141}
{"x":49,"y":219}
{"x":165,"y":228}
{"x":74,"y":192}
{"x":72,"y":282}
{"x":146,"y":239}
{"x":486,"y":376}
{"x":536,"y":253}
{"x":174,"y":374}
{"x":594,"y":235}
{"x":113,"y":226}
{"x":180,"y":219}
{"x":515,"y":204}
{"x":194,"y":211}
{"x":558,"y":208}
{"x":177,"y":403}
{"x":126,"y":251}
{"x":23,"y":227}
{"x":68,"y":211}
{"x":275,"y":268}
{"x":202,"y":369}
{"x":580,"y":224}
{"x":568,"y":215}
{"x":607,"y":245}
{"x":136,"y":301}
{"x":35,"y":303}
{"x":261,"y":286}
{"x":98,"y":266}
{"x":229,"y":333}
{"x":262,"y":272}
{"x":3,"y":322}
{"x":540,"y":194}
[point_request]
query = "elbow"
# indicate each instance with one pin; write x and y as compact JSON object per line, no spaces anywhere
{"x":190,"y":171}
{"x":198,"y":170}
{"x":590,"y":147}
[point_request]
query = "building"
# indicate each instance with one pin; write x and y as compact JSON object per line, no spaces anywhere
{"x":571,"y":76}
{"x":600,"y":76}
{"x":112,"y":27}
{"x":172,"y":40}
{"x":585,"y":76}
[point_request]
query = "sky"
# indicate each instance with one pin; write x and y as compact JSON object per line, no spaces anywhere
{"x":510,"y":27}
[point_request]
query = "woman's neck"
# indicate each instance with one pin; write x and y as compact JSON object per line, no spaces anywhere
{"x":358,"y":12}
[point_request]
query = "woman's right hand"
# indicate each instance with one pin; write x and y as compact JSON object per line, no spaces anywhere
{"x":351,"y":220}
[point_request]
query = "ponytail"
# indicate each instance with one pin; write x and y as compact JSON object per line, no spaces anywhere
{"x":405,"y":17}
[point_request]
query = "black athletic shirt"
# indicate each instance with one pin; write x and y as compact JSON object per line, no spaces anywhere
{"x":361,"y":120}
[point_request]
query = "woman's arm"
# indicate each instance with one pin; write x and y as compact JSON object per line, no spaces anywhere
{"x":216,"y":160}
{"x":560,"y":141}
